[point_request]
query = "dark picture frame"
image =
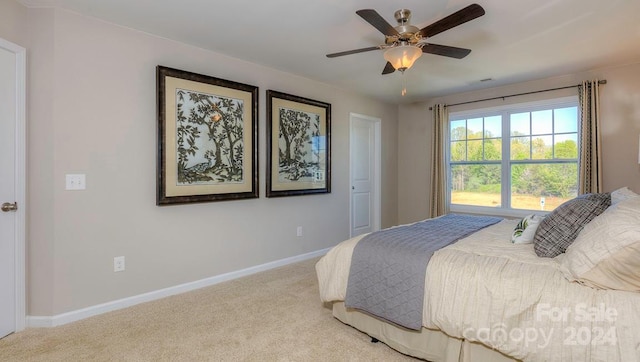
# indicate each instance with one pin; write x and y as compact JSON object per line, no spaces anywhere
{"x":298,"y":145}
{"x":207,"y":146}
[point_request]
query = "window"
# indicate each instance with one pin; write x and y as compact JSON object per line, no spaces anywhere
{"x":515,"y":158}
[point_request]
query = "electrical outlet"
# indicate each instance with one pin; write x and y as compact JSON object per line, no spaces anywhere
{"x":299,"y":231}
{"x":118,"y":264}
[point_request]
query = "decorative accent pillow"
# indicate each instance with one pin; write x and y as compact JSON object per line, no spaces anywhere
{"x":558,"y":230}
{"x":606,"y":254}
{"x":622,"y":194}
{"x":526,"y":229}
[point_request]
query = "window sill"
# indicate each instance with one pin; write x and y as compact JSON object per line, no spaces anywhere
{"x":494,"y":211}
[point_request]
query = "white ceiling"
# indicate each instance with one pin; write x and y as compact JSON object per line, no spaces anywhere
{"x":513,"y":42}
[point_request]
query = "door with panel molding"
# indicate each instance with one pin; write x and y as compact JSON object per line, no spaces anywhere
{"x":365,"y":174}
{"x":12,"y":187}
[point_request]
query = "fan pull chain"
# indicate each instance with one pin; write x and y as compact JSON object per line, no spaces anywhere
{"x":404,"y":84}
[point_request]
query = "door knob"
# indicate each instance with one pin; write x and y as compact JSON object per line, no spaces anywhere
{"x":7,"y":206}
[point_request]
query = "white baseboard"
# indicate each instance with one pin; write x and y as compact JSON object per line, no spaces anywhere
{"x":76,"y":315}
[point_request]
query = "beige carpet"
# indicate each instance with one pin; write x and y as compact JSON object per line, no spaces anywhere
{"x":272,"y":316}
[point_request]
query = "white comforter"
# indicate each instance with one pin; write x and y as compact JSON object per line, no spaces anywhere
{"x":486,"y":289}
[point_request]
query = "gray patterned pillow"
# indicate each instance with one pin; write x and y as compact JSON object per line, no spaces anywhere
{"x":558,"y":230}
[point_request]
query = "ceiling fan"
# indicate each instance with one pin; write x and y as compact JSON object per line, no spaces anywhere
{"x":405,"y":43}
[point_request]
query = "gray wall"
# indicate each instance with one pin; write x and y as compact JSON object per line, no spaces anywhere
{"x":92,"y":110}
{"x":13,"y":26}
{"x":620,"y":113}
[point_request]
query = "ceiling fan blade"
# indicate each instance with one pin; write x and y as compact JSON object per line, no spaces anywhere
{"x":354,"y":51}
{"x":446,"y":51}
{"x":459,"y":17}
{"x":372,"y":17}
{"x":388,"y":69}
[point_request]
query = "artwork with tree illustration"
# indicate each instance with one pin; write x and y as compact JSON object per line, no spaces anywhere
{"x":298,"y":137}
{"x":207,"y":138}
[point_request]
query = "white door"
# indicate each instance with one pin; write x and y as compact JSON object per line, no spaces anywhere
{"x":365,"y":174}
{"x":11,"y":187}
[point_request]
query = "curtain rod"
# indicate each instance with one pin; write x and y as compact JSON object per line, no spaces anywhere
{"x":519,"y":94}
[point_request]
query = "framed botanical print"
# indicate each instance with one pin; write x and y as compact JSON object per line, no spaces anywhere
{"x":298,"y":145}
{"x":207,"y":138}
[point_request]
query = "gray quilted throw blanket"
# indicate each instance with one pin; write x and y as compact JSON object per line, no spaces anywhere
{"x":388,"y":267}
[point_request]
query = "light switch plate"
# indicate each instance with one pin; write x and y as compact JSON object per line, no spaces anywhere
{"x":75,"y":182}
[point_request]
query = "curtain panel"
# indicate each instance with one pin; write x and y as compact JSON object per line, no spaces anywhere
{"x":437,"y":204}
{"x":590,"y":156}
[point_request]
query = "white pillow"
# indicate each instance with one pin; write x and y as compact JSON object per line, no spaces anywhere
{"x":526,"y":229}
{"x":621,"y":194}
{"x":606,"y":253}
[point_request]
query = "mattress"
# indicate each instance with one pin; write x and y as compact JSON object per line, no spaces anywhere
{"x":487,"y":290}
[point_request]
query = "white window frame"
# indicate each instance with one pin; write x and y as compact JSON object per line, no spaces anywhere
{"x":504,"y":111}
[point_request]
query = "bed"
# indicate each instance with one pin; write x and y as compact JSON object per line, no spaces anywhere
{"x":489,"y":299}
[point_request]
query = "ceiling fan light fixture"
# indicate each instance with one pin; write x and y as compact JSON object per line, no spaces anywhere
{"x":402,"y":57}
